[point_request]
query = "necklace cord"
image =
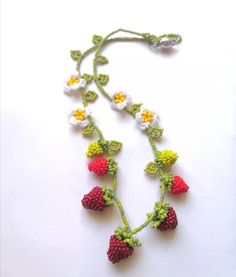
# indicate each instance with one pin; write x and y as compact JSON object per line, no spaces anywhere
{"x":162,"y":159}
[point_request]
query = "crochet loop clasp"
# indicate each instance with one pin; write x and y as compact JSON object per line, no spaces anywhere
{"x":165,"y":41}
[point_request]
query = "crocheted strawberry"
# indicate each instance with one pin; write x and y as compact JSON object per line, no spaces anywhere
{"x":118,"y":250}
{"x":94,"y":200}
{"x":99,"y":166}
{"x":98,"y":198}
{"x":170,"y":221}
{"x":122,"y":244}
{"x":178,"y":185}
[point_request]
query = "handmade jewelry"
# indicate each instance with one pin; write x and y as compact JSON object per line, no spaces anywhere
{"x":102,"y":151}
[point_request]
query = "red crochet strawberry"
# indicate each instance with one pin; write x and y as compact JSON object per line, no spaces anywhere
{"x":178,"y":185}
{"x":94,"y":200}
{"x":118,"y":250}
{"x":99,"y":166}
{"x":170,"y":221}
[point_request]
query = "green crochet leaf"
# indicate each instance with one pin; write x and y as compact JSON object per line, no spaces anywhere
{"x":112,"y":166}
{"x":126,"y":235}
{"x":115,"y":146}
{"x":91,"y":95}
{"x":103,"y":79}
{"x":160,"y":213}
{"x":75,"y":55}
{"x":167,"y":179}
{"x":104,"y":144}
{"x":101,"y":60}
{"x":134,"y":242}
{"x":135,"y":108}
{"x":96,"y":39}
{"x":151,"y":168}
{"x":88,"y":130}
{"x":87,"y":77}
{"x":108,"y":195}
{"x":154,"y":132}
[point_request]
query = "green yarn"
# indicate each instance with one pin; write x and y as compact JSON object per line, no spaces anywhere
{"x":103,"y":79}
{"x":160,"y":213}
{"x":154,"y":132}
{"x":112,"y":166}
{"x":115,"y":146}
{"x":91,"y":95}
{"x":75,"y":55}
{"x":134,"y":109}
{"x":108,"y":195}
{"x":96,"y":39}
{"x":101,"y":60}
{"x":88,"y":130}
{"x":166,"y":179}
{"x":87,"y":77}
{"x":104,"y":144}
{"x":126,"y":235}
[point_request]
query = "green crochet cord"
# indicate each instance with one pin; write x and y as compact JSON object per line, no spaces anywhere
{"x":162,"y":159}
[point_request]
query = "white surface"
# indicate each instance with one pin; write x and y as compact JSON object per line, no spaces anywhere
{"x":45,"y":232}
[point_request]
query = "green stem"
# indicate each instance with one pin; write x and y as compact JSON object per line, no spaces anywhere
{"x":114,"y":182}
{"x":97,"y":53}
{"x":85,"y":104}
{"x":122,"y":213}
{"x":142,"y":226}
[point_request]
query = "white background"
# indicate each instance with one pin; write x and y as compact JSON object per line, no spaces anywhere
{"x":44,"y":230}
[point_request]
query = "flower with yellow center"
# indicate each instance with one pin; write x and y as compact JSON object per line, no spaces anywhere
{"x":120,"y":100}
{"x":79,"y":116}
{"x":73,"y":84}
{"x":146,"y":118}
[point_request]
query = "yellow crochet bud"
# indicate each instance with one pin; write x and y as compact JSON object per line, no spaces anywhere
{"x":94,"y":149}
{"x":168,"y":157}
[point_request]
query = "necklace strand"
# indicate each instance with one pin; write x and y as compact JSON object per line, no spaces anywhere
{"x":163,"y":216}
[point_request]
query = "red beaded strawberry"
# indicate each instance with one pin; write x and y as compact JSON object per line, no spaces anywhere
{"x":98,"y":199}
{"x":121,"y":244}
{"x":170,"y":221}
{"x":175,"y":184}
{"x":118,"y":250}
{"x":163,"y":217}
{"x":178,"y":185}
{"x":102,"y":166}
{"x":99,"y":166}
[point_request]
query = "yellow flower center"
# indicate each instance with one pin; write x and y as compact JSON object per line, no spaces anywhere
{"x":119,"y":97}
{"x":79,"y":114}
{"x":73,"y":80}
{"x":147,"y":116}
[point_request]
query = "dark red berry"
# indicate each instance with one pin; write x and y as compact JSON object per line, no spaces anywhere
{"x":94,"y":200}
{"x":118,"y":250}
{"x":99,"y":166}
{"x":170,"y":221}
{"x":178,"y":185}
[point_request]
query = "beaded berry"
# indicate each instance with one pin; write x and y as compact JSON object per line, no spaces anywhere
{"x":102,"y":151}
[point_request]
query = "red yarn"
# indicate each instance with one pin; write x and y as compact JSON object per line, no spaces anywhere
{"x":170,"y":221}
{"x":178,"y":185}
{"x":118,"y":250}
{"x":94,"y":200}
{"x":99,"y":166}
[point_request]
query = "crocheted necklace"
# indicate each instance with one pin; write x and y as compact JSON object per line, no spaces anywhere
{"x":102,"y":151}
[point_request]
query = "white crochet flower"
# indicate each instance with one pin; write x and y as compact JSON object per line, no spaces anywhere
{"x":79,"y":116}
{"x":146,"y":118}
{"x":73,"y":84}
{"x":120,"y":100}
